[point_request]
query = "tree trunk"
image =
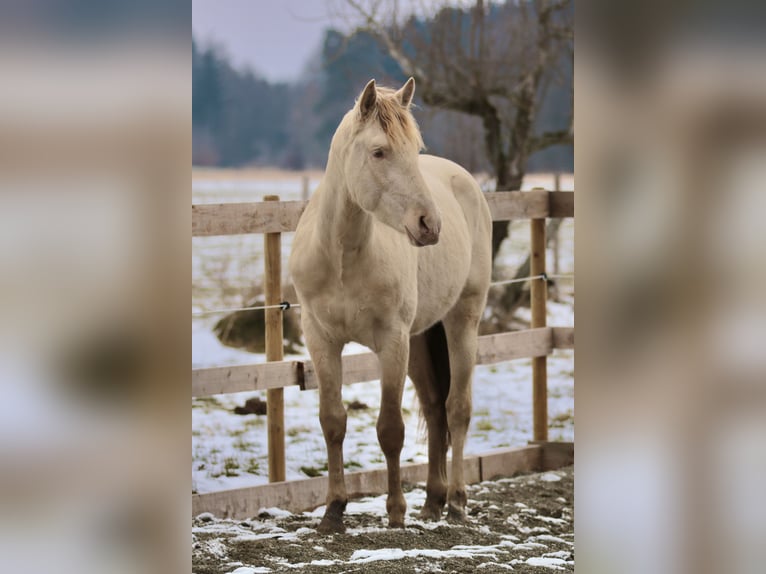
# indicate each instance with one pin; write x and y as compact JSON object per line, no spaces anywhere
{"x":500,"y":229}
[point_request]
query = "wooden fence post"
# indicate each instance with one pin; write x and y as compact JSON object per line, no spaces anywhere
{"x":538,"y":295}
{"x":557,"y":233}
{"x":275,"y":399}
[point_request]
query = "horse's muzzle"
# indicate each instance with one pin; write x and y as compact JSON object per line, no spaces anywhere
{"x":429,"y":227}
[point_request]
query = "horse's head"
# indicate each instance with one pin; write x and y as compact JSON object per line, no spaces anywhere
{"x":381,"y":164}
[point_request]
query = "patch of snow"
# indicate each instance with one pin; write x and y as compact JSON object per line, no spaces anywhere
{"x":426,"y":525}
{"x":276,"y":533}
{"x":375,"y":555}
{"x":509,"y":481}
{"x":216,"y":548}
{"x":563,"y":554}
{"x":365,"y":556}
{"x":551,"y":520}
{"x":374,"y":506}
{"x":550,"y":477}
{"x":554,"y":563}
{"x":530,"y":546}
{"x":322,"y":562}
{"x":291,"y":536}
{"x":470,"y":548}
{"x":251,"y":570}
{"x":513,"y":520}
{"x":367,"y":530}
{"x":220,"y":527}
{"x":318,"y":512}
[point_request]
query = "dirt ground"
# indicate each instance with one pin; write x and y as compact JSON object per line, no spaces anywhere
{"x":523,"y":523}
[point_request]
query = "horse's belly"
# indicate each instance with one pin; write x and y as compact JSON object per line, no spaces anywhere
{"x":442,"y":275}
{"x":432,"y":310}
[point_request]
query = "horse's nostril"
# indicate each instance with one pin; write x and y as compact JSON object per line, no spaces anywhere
{"x":424,"y":225}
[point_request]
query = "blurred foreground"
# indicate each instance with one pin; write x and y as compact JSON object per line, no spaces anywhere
{"x":95,"y":141}
{"x":671,"y":369}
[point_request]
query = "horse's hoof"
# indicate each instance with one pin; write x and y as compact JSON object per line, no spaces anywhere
{"x":395,"y":523}
{"x":456,"y":515}
{"x":431,"y":513}
{"x":332,"y":521}
{"x":331,"y":525}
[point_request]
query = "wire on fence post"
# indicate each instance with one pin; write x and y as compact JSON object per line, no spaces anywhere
{"x":538,"y":296}
{"x":275,"y":400}
{"x":283,"y":305}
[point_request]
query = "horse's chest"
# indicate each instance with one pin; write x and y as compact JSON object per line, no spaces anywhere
{"x":357,"y":309}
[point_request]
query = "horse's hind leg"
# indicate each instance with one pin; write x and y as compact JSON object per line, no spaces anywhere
{"x":429,"y":371}
{"x":461,"y":327}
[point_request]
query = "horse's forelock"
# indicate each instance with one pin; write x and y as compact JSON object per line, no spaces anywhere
{"x":396,"y":120}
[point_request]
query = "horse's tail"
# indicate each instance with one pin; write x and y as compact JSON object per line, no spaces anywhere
{"x":436,"y":340}
{"x":438,"y":357}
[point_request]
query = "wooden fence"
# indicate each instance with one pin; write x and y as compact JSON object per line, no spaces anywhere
{"x":273,"y":217}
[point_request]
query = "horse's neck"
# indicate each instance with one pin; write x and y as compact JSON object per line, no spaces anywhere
{"x":345,"y":227}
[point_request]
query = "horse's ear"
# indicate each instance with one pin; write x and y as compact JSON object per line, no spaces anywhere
{"x":367,"y":99}
{"x":406,"y":92}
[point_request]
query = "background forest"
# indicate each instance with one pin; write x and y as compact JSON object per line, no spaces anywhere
{"x":241,"y":119}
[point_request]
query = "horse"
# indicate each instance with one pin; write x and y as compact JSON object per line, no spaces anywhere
{"x":393,"y":251}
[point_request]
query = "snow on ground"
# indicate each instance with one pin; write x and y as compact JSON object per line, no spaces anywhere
{"x":229,"y":450}
{"x":498,"y":536}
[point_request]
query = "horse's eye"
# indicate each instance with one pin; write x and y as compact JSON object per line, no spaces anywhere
{"x":378,"y":153}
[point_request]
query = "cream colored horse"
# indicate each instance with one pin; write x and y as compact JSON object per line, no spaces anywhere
{"x":394,"y":252}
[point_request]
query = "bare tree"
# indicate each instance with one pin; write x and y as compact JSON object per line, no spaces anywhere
{"x":490,"y":61}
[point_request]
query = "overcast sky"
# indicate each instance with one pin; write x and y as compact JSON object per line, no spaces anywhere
{"x":274,"y":37}
{"x":277,"y":37}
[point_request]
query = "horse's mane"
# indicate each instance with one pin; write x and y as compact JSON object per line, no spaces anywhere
{"x":396,"y":120}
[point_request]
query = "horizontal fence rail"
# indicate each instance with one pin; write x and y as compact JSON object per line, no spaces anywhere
{"x":307,"y":494}
{"x":283,"y":216}
{"x":364,"y":366}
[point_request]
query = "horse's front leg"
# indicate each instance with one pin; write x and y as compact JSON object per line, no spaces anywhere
{"x":461,"y":326}
{"x":326,"y":357}
{"x":393,"y":358}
